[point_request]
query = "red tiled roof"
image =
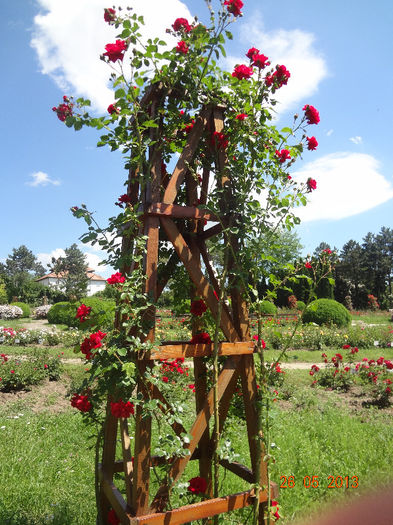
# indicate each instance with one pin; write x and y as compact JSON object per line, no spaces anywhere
{"x":90,"y":274}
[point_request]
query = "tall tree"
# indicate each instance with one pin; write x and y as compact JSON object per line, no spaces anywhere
{"x":19,"y":271}
{"x":71,"y":270}
{"x":350,"y":275}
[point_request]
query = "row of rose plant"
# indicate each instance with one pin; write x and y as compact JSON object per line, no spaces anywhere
{"x":341,"y":373}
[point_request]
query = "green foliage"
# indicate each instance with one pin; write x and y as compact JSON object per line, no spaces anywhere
{"x":300,"y":305}
{"x":267,"y":307}
{"x":102,"y":313}
{"x":72,"y":269}
{"x":326,"y":311}
{"x":24,"y":307}
{"x":3,"y":292}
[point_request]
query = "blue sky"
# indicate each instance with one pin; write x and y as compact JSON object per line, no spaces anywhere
{"x":340,"y":62}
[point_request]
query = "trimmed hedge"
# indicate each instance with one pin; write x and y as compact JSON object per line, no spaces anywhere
{"x":300,"y":305}
{"x":24,"y":307}
{"x":328,"y":312}
{"x":102,"y":313}
{"x":266,"y":307}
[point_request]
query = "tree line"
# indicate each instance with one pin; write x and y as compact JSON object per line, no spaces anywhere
{"x":19,"y":274}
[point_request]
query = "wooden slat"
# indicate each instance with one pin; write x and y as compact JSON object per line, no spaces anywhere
{"x":240,"y":470}
{"x":188,"y":350}
{"x":180,"y":212}
{"x":127,"y":458}
{"x":202,"y":284}
{"x":203,"y":509}
{"x":197,"y":430}
{"x":186,"y":157}
{"x":210,"y":232}
{"x":115,"y":499}
{"x":249,"y":388}
{"x":204,"y":450}
{"x":142,"y":449}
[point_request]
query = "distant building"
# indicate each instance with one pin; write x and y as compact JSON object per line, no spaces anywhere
{"x":96,"y":282}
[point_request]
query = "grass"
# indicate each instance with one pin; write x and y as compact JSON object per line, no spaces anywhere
{"x":46,"y":472}
{"x":28,"y":350}
{"x":370,"y":317}
{"x":25,"y":321}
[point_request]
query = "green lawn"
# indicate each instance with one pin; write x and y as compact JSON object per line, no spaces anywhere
{"x":46,"y":469}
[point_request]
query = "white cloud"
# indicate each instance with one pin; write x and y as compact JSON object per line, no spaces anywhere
{"x":296,"y":50}
{"x":70,"y":36}
{"x":46,"y":258}
{"x":356,"y":140}
{"x":330,"y":132}
{"x":42,"y":179}
{"x":347,"y":184}
{"x":92,"y":259}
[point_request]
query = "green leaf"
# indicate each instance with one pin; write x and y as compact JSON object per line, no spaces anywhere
{"x":122,"y":352}
{"x":120,"y":93}
{"x":78,"y":125}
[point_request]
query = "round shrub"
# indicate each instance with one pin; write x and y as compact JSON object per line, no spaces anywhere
{"x":24,"y":307}
{"x":300,"y":305}
{"x":328,"y":312}
{"x":10,"y":312}
{"x":266,"y":307}
{"x":102,"y":313}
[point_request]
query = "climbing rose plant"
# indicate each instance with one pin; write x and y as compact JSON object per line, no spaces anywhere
{"x":258,"y":157}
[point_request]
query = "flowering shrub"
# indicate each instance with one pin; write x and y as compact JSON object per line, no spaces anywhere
{"x":24,"y":307}
{"x":21,"y":374}
{"x":10,"y":312}
{"x":372,"y":302}
{"x":41,"y":312}
{"x":23,"y":336}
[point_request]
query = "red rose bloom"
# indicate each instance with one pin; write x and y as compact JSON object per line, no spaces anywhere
{"x":197,"y":485}
{"x":109,"y":15}
{"x":203,"y":338}
{"x":81,"y":403}
{"x":122,"y":409}
{"x":234,"y":6}
{"x":260,"y":61}
{"x":219,"y":140}
{"x":113,"y":109}
{"x":279,"y":78}
{"x":182,"y":47}
{"x":198,"y":307}
{"x":283,"y":155}
{"x":308,"y":265}
{"x":312,"y":143}
{"x":83,"y":312}
{"x":63,"y":111}
{"x":311,"y":184}
{"x":116,"y":51}
{"x":311,"y":114}
{"x":241,"y":71}
{"x":241,"y":116}
{"x":251,"y":52}
{"x":181,"y":23}
{"x":123,"y":199}
{"x":112,"y":518}
{"x":116,"y":278}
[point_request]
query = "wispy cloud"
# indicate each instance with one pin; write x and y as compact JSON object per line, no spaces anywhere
{"x":70,"y":36}
{"x":296,"y":50}
{"x":42,"y":179}
{"x":356,"y":140}
{"x":347,"y":184}
{"x":329,"y":132}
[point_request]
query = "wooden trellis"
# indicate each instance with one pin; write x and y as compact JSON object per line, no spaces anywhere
{"x":184,"y":227}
